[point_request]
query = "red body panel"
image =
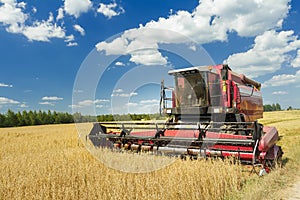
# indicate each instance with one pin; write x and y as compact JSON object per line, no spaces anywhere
{"x":269,"y":139}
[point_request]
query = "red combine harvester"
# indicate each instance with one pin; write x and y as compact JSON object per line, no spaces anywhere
{"x":213,"y":112}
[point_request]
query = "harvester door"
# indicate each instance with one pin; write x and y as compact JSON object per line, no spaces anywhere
{"x":214,"y":89}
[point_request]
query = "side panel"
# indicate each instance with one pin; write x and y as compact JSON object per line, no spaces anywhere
{"x":251,"y":103}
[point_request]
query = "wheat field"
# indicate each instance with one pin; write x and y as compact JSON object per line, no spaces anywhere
{"x":49,"y":162}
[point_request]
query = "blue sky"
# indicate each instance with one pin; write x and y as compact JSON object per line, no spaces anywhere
{"x":101,"y":57}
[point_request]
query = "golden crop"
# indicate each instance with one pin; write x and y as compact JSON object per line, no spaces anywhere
{"x":49,"y":162}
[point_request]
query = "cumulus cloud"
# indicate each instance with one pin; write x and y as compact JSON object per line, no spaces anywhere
{"x":151,"y":101}
{"x":101,"y":101}
{"x":5,"y":100}
{"x":76,"y":7}
{"x":131,"y":104}
{"x":120,"y":94}
{"x":79,"y":29}
{"x":211,"y":20}
{"x":23,"y":105}
{"x":144,"y":106}
{"x":34,"y":10}
{"x":47,"y":103}
{"x":119,"y":90}
{"x":60,"y":14}
{"x":72,"y":44}
{"x":52,"y":98}
{"x":88,"y":102}
{"x":269,"y":52}
{"x":296,"y":62}
{"x":119,"y":64}
{"x":70,"y":41}
{"x":5,"y":85}
{"x":283,"y":79}
{"x":280,"y":92}
{"x":43,"y":30}
{"x":13,"y":17}
{"x":110,"y":10}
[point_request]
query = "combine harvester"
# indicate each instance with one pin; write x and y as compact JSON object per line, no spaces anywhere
{"x":213,"y":112}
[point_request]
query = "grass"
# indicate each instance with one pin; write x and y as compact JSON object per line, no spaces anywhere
{"x":275,"y":184}
{"x":48,"y":162}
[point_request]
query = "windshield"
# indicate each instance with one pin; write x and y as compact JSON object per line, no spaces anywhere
{"x":197,"y":89}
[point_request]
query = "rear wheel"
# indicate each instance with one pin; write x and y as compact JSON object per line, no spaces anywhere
{"x":277,"y":162}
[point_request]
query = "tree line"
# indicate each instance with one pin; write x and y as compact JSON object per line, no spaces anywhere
{"x":30,"y":118}
{"x":272,"y":107}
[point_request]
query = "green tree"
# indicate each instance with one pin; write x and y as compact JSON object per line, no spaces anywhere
{"x":26,"y":118}
{"x":2,"y":120}
{"x":11,"y":119}
{"x":289,"y":108}
{"x":278,"y":107}
{"x":21,"y":121}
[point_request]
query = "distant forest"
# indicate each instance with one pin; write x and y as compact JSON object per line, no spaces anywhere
{"x":29,"y":118}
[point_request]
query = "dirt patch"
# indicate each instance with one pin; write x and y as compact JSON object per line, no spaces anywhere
{"x":294,"y":192}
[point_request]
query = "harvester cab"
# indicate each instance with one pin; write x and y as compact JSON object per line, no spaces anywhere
{"x":214,"y":112}
{"x":212,"y":93}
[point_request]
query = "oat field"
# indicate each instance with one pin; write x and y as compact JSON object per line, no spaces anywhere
{"x":49,"y":162}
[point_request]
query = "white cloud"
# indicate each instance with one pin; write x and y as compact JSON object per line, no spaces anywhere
{"x":101,"y":101}
{"x":193,"y":47}
{"x":4,"y":100}
{"x":212,"y":20}
{"x":77,"y":7}
{"x":148,"y":57}
{"x":144,"y":106}
{"x":23,"y":105}
{"x":69,"y":38}
{"x":118,"y":94}
{"x":47,"y":103}
{"x":5,"y":85}
{"x":77,"y":91}
{"x":280,"y":92}
{"x":283,"y":79}
{"x":109,"y":10}
{"x":119,"y":90}
{"x":74,"y":106}
{"x":52,"y":98}
{"x":131,"y":104}
{"x":88,"y":102}
{"x":79,"y":29}
{"x":269,"y":52}
{"x":43,"y":31}
{"x":128,"y":95}
{"x":151,"y":101}
{"x":34,"y":10}
{"x":60,"y":14}
{"x":11,"y":15}
{"x":21,"y":4}
{"x":14,"y":18}
{"x":72,"y":44}
{"x":296,"y":62}
{"x":119,"y":64}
